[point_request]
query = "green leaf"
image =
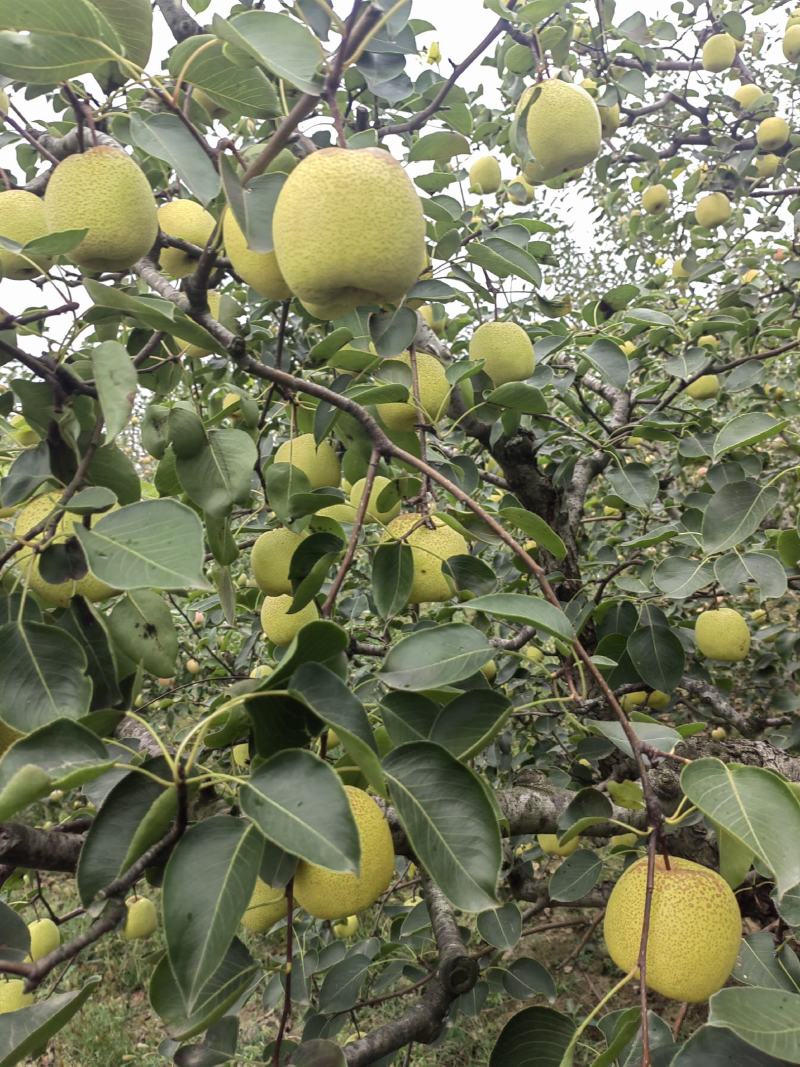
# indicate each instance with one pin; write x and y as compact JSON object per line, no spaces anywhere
{"x":26,"y":1032}
{"x":342,"y":985}
{"x":208,"y":882}
{"x":525,"y":978}
{"x":735,"y":512}
{"x":531,"y":610}
{"x":135,"y":815}
{"x":435,"y":657}
{"x":505,"y":260}
{"x":393,"y":331}
{"x":576,"y":876}
{"x":318,"y":1053}
{"x":516,"y":396}
{"x":277,"y":42}
{"x":55,"y":244}
{"x":754,"y":805}
{"x":318,"y":642}
{"x":449,"y":820}
{"x":534,"y":1037}
{"x":235,"y":978}
{"x":219,"y":475}
{"x":253,"y":205}
{"x":537,"y":528}
{"x":315,"y":822}
{"x":609,"y":360}
{"x":679,"y":577}
{"x":635,"y":483}
{"x":42,"y":676}
{"x":760,"y":963}
{"x":241,"y":90}
{"x":330,"y":700}
{"x":60,"y":755}
{"x":735,"y":858}
{"x":142,"y":626}
{"x":150,"y":311}
{"x":711,"y":1046}
{"x":661,"y":737}
{"x":739,"y":571}
{"x":501,"y":927}
{"x":165,"y":137}
{"x":744,"y":430}
{"x":152,"y":543}
{"x":767,"y":1019}
{"x":439,"y":147}
{"x":469,"y":723}
{"x":56,"y":43}
{"x":657,"y":654}
{"x":392,"y":577}
{"x":15,"y":939}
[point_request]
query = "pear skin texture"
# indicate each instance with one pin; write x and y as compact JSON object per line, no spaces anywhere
{"x":434,"y":392}
{"x":335,"y":895}
{"x":722,"y":635}
{"x":141,"y":920}
{"x":772,"y":133}
{"x":719,"y":52}
{"x":278,"y":625}
{"x":712,"y":210}
{"x":45,"y":937}
{"x":506,"y":349}
{"x":319,"y":463}
{"x":484,"y":175}
{"x":189,"y":221}
{"x":270,"y":558}
{"x":104,"y":191}
{"x":695,"y":928}
{"x":266,"y":907}
{"x":349,"y":231}
{"x":563,"y":126}
{"x":429,"y":549}
{"x":704,"y":388}
{"x":22,"y":219}
{"x":259,"y":270}
{"x":13,"y":995}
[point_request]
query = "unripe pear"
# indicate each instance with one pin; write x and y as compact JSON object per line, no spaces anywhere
{"x":349,"y":230}
{"x":548,"y":843}
{"x":267,"y":905}
{"x":22,"y":219}
{"x":270,"y":559}
{"x":373,"y":513}
{"x":679,"y":271}
{"x":192,"y":666}
{"x":767,"y":166}
{"x":655,"y":199}
{"x":430,"y":547}
{"x":772,"y":133}
{"x":712,"y":210}
{"x":719,"y":52}
{"x":347,"y":928}
{"x":506,"y":350}
{"x":609,"y":119}
{"x":240,"y":754}
{"x":695,"y":928}
{"x":489,"y":670}
{"x":747,"y":94}
{"x":13,"y":995}
{"x":519,"y":59}
{"x":562,"y":126}
{"x":104,"y":191}
{"x":641,"y":699}
{"x":704,"y":388}
{"x":434,"y":392}
{"x":484,"y":175}
{"x":330,"y":894}
{"x":278,"y":625}
{"x":141,"y":919}
{"x":436,"y":322}
{"x":791,"y":43}
{"x":719,"y":733}
{"x":520,"y":191}
{"x":45,"y":938}
{"x":708,"y":340}
{"x":190,"y":222}
{"x":319,"y":463}
{"x":259,"y":270}
{"x":723,"y":635}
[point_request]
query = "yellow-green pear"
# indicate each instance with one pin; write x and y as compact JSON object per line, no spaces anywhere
{"x":747,"y":94}
{"x":719,"y":52}
{"x":278,"y":625}
{"x":695,"y":927}
{"x":506,"y":350}
{"x":641,"y":699}
{"x":3,"y":103}
{"x":712,"y":210}
{"x":141,"y":919}
{"x":520,"y":191}
{"x":772,"y":133}
{"x":270,"y":558}
{"x":706,"y":387}
{"x":190,"y":222}
{"x":22,"y":219}
{"x":722,"y":634}
{"x":197,"y":351}
{"x":767,"y":166}
{"x":349,"y":230}
{"x":240,"y":754}
{"x":679,"y":271}
{"x":259,"y":270}
{"x":431,"y":545}
{"x":374,"y":513}
{"x":548,"y":843}
{"x":562,"y":126}
{"x":708,"y":340}
{"x":436,"y":321}
{"x":346,"y":928}
{"x":330,"y":894}
{"x":104,"y":191}
{"x":434,"y":392}
{"x":609,"y":119}
{"x":267,"y":905}
{"x":13,"y":995}
{"x":45,"y":938}
{"x":319,"y":462}
{"x":484,"y":175}
{"x":655,"y":199}
{"x":791,"y":43}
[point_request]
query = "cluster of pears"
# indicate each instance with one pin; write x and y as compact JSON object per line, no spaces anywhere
{"x":334,"y":895}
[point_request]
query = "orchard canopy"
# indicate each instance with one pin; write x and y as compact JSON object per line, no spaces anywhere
{"x":399,"y":541}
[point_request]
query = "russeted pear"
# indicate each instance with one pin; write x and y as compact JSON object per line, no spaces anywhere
{"x":190,"y":222}
{"x":22,"y":219}
{"x":104,"y":191}
{"x":562,"y":126}
{"x":259,"y":270}
{"x":349,"y":230}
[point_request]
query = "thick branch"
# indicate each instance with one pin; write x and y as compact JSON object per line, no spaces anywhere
{"x":43,"y":850}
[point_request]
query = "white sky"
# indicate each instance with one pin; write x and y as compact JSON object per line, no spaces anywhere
{"x":460,"y":25}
